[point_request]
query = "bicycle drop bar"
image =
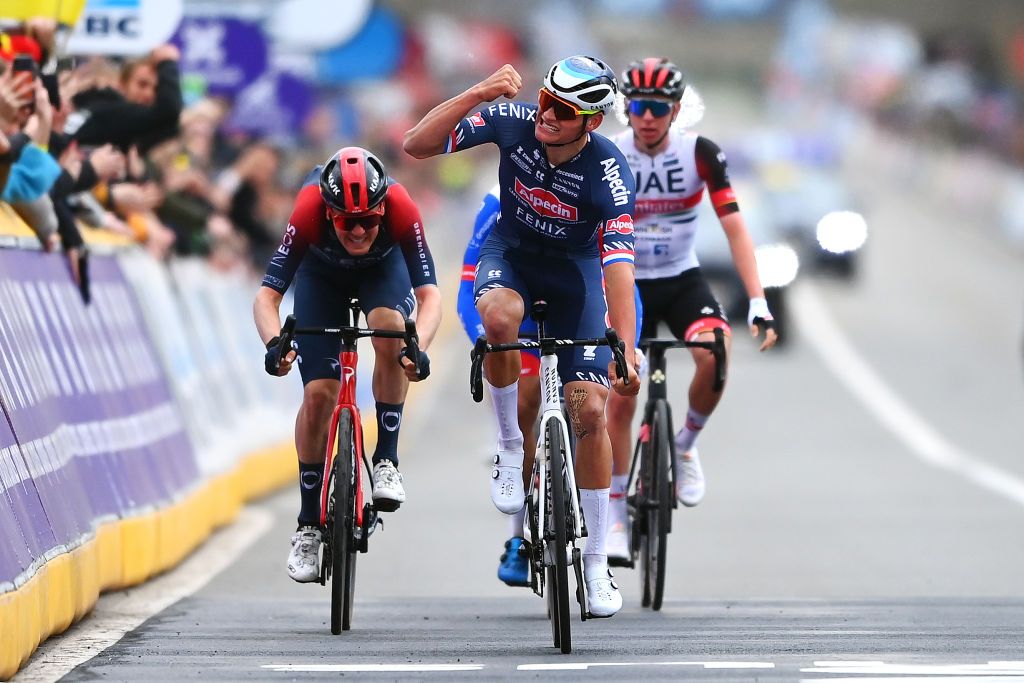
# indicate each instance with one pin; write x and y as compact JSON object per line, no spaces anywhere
{"x":481,"y":348}
{"x":350,"y":333}
{"x":716,"y":347}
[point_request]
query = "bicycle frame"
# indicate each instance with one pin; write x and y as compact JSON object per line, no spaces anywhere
{"x":348,"y":361}
{"x":657,"y":387}
{"x":551,"y":409}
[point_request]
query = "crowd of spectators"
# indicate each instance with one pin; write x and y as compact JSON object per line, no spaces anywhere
{"x":111,"y":145}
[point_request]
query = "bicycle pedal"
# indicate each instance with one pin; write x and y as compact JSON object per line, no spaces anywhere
{"x":386,"y":505}
{"x":591,"y":615}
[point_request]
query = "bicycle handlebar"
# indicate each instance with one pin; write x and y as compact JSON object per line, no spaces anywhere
{"x":350,"y":333}
{"x":716,"y":347}
{"x":481,"y":348}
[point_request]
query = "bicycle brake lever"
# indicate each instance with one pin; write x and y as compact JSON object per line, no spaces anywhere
{"x":476,"y":386}
{"x":718,"y":351}
{"x":618,"y":348}
{"x":287,"y":336}
{"x":412,"y":344}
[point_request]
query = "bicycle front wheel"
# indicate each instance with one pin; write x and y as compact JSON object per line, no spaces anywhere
{"x":341,"y":521}
{"x":659,"y":517}
{"x":558,"y":514}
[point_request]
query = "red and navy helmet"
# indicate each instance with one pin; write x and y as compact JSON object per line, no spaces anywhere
{"x":353,"y":182}
{"x":653,"y":77}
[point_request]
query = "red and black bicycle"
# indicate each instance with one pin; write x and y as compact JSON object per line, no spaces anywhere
{"x":346,"y":517}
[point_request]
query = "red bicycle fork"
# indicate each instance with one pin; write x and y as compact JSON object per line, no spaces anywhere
{"x":348,"y":361}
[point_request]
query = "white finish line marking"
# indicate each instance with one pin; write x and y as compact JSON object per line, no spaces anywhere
{"x":839,"y":355}
{"x":880,"y":672}
{"x":371,"y":668}
{"x":119,"y":612}
{"x":583,"y":666}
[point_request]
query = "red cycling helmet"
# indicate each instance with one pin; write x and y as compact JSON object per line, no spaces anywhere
{"x":653,"y":77}
{"x":353,"y":182}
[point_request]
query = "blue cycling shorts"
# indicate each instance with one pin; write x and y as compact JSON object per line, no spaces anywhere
{"x":322,"y":293}
{"x":573,"y":290}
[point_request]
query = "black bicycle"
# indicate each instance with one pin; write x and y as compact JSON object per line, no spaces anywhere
{"x":554,"y":516}
{"x":346,"y":518}
{"x":651,"y":504}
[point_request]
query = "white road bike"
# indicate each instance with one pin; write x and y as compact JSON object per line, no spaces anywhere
{"x":554,"y":517}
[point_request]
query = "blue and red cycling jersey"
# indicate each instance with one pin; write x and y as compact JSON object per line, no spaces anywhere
{"x":582,"y":207}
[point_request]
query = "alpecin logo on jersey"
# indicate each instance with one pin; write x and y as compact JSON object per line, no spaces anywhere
{"x":623,"y":225}
{"x":545,"y":203}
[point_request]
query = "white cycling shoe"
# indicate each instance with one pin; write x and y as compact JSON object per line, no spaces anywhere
{"x":304,"y":558}
{"x":689,"y":479}
{"x":388,"y":492}
{"x":617,"y":545}
{"x":603,"y":597}
{"x":507,"y":491}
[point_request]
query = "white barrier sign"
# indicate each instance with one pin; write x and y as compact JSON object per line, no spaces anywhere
{"x":124,"y":27}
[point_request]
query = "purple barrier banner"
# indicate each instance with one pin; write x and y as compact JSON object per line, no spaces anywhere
{"x":89,"y":405}
{"x":24,"y":532}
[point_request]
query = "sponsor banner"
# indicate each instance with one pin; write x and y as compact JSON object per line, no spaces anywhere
{"x":88,"y":403}
{"x":124,"y":27}
{"x":222,"y":54}
{"x":201,"y":322}
{"x":247,"y":409}
{"x":374,"y":52}
{"x":276,"y":105}
{"x":24,"y":531}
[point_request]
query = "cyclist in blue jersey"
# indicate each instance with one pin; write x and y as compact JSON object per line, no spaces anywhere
{"x":566,"y":196}
{"x":513,"y":568}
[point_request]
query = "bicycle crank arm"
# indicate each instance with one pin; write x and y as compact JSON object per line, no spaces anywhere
{"x":581,"y":585}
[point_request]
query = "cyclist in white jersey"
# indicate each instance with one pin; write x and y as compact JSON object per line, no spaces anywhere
{"x":673,"y":168}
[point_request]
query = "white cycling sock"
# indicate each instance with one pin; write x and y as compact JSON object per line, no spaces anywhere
{"x":595,"y":511}
{"x":506,"y":409}
{"x":687,"y":436}
{"x":617,"y":499}
{"x":515,"y":522}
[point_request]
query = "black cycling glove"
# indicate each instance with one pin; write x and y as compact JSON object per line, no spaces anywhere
{"x":272,"y":361}
{"x":422,"y":368}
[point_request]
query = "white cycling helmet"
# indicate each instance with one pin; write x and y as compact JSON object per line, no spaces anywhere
{"x":586,"y":82}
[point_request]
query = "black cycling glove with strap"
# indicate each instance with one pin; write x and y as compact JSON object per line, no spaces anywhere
{"x":272,"y":361}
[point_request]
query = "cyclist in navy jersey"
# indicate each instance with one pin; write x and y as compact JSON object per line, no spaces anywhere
{"x":513,"y":568}
{"x":566,"y":217}
{"x":673,"y":168}
{"x":354,"y":232}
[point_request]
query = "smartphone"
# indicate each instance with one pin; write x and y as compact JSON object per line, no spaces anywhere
{"x":25,"y":64}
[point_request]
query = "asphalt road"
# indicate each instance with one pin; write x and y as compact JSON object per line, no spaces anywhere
{"x":864,"y":505}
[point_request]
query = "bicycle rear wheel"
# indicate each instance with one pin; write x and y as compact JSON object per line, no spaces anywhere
{"x":659,"y":514}
{"x":558,"y":574}
{"x":342,"y":519}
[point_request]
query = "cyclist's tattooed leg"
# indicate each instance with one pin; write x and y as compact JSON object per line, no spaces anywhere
{"x":577,"y":397}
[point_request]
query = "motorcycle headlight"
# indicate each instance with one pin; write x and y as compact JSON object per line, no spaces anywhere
{"x":841,"y":232}
{"x":777,"y":264}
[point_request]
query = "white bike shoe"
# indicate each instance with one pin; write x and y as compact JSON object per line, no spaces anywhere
{"x":507,"y":492}
{"x":388,"y":492}
{"x":603,"y":597}
{"x":304,"y":558}
{"x":689,"y":479}
{"x":617,"y":545}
